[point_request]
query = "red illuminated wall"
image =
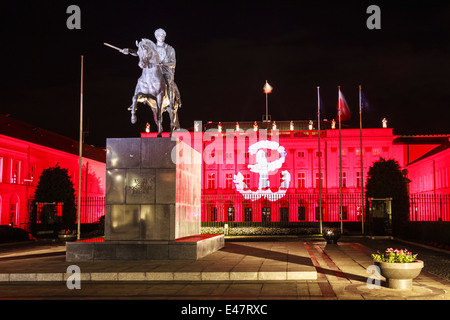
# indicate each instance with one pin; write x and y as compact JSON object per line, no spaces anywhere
{"x":430,"y":185}
{"x":226,"y":154}
{"x":22,"y":162}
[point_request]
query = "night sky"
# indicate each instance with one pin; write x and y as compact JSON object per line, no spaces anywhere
{"x":226,"y":50}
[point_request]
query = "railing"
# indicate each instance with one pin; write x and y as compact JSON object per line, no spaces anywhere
{"x":429,"y":207}
{"x":303,"y":208}
{"x":92,"y":208}
{"x":288,"y":210}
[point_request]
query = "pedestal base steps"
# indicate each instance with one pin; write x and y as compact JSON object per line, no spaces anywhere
{"x":188,"y":248}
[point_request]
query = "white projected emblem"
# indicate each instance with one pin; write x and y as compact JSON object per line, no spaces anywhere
{"x":263,"y":167}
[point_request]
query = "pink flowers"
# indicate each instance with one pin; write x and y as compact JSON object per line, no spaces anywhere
{"x":395,"y":256}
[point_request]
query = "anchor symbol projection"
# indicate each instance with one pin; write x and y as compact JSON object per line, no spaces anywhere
{"x":263,"y":167}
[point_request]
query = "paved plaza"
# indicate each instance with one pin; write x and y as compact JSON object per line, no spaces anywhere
{"x":279,"y":269}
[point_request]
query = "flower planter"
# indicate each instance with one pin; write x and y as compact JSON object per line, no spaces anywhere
{"x":400,"y":275}
{"x":67,"y":237}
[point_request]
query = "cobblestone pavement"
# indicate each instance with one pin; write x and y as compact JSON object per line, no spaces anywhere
{"x":341,"y":274}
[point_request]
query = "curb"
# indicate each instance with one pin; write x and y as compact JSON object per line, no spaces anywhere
{"x":424,"y":246}
{"x":162,"y":276}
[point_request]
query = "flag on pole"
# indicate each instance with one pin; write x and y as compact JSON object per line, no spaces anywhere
{"x":321,"y":105}
{"x":267,"y":88}
{"x":364,"y":102}
{"x":342,"y":108}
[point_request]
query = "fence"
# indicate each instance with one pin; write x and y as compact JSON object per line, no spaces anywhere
{"x":290,"y":209}
{"x":429,"y":207}
{"x":294,"y":208}
{"x":92,"y":208}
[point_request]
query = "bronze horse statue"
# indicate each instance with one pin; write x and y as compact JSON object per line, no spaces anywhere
{"x":152,"y":89}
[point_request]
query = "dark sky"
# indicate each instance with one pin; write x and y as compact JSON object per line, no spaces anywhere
{"x":226,"y":50}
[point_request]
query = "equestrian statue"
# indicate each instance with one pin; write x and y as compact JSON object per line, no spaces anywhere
{"x":156,"y":86}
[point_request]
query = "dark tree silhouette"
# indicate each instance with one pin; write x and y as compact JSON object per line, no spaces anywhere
{"x":55,"y":186}
{"x":386,"y":180}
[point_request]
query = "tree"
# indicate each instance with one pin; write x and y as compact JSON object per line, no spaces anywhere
{"x":386,"y":180}
{"x":55,"y":186}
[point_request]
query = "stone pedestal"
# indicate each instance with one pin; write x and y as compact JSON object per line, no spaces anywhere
{"x":153,"y":203}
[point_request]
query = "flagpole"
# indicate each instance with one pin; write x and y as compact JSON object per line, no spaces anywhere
{"x":266,"y":91}
{"x":320,"y":176}
{"x":80,"y":150}
{"x":340,"y":159}
{"x":361,"y":154}
{"x":267,"y":107}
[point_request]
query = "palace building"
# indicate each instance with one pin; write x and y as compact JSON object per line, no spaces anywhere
{"x":252,"y":172}
{"x":25,"y":151}
{"x":272,"y":171}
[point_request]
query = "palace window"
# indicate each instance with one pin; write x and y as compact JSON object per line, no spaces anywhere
{"x":15,"y":171}
{"x":301,"y":180}
{"x":301,"y":213}
{"x":248,"y":214}
{"x":213,"y":214}
{"x":247,"y":179}
{"x":230,"y":214}
{"x":228,"y":181}
{"x":284,"y":214}
{"x":344,"y":178}
{"x":319,"y":180}
{"x":265,"y":214}
{"x":284,"y":184}
{"x":211,"y":181}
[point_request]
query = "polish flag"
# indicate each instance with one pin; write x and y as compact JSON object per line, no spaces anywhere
{"x":342,"y":108}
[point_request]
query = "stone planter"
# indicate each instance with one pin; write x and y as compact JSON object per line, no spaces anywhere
{"x":67,"y":237}
{"x":400,"y":275}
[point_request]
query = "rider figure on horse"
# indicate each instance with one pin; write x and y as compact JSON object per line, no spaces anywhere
{"x":167,"y":58}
